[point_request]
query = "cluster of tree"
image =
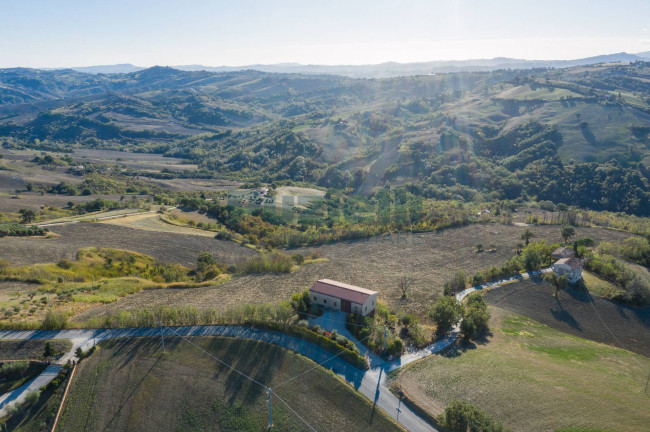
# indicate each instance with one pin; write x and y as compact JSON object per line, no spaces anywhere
{"x":18,"y":230}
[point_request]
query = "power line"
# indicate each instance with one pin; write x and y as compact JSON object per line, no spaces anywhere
{"x":292,"y":410}
{"x":218,"y":359}
{"x":269,"y":389}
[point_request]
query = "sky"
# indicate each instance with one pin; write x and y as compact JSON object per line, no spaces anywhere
{"x":67,"y":33}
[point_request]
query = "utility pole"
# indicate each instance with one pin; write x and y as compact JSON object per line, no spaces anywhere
{"x":268,"y":395}
{"x":162,"y":336}
{"x":385,"y":337}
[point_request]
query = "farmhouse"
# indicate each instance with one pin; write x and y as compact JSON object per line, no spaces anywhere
{"x":341,"y":296}
{"x":569,"y":267}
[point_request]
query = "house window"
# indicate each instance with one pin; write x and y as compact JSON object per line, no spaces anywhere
{"x":315,"y":298}
{"x":365,"y":308}
{"x":334,"y":304}
{"x":373,"y":302}
{"x":324,"y":301}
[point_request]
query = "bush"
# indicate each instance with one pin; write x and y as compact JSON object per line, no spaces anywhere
{"x":274,"y":263}
{"x":65,"y":263}
{"x":298,"y":258}
{"x":32,"y":397}
{"x":461,"y":416}
{"x":54,"y":321}
{"x":223,"y":235}
{"x":408,"y":319}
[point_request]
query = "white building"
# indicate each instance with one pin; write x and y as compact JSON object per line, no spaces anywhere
{"x":341,"y":296}
{"x":569,"y":267}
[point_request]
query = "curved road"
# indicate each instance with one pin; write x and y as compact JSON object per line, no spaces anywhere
{"x":370,"y":383}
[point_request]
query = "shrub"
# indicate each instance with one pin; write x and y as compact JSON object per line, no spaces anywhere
{"x":54,"y":321}
{"x":223,"y":235}
{"x":65,"y":263}
{"x":32,"y":397}
{"x":461,"y":416}
{"x":408,"y":319}
{"x":298,"y":258}
{"x":274,"y":263}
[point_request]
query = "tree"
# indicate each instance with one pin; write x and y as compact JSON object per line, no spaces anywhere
{"x":205,"y":259}
{"x":461,"y":416}
{"x":48,"y":351}
{"x":28,"y":215}
{"x":559,"y":282}
{"x":445,"y":313}
{"x":476,"y":316}
{"x":527,"y":235}
{"x":567,"y":232}
{"x":79,"y":353}
{"x":456,"y":284}
{"x":403,"y":283}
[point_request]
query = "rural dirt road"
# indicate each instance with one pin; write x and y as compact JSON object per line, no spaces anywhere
{"x":370,"y":383}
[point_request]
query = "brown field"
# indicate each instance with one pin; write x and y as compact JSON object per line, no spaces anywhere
{"x":428,"y":258}
{"x":140,"y":161}
{"x":167,"y":247}
{"x":34,"y":200}
{"x":573,"y":313}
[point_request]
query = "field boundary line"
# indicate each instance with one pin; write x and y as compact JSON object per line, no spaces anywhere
{"x":65,"y":393}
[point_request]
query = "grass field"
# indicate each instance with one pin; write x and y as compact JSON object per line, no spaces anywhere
{"x":152,"y":222}
{"x":429,"y":259}
{"x":534,"y":378}
{"x":124,"y":383}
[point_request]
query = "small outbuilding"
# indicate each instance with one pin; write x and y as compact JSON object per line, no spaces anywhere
{"x":563,"y":252}
{"x":347,"y":298}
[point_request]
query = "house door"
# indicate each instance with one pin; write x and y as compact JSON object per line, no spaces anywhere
{"x":346,"y":306}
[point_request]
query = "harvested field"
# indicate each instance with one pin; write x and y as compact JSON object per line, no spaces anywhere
{"x":36,"y":201}
{"x":534,"y":378}
{"x":167,"y":247}
{"x":573,"y":313}
{"x":152,"y":222}
{"x":428,"y":258}
{"x":120,"y":385}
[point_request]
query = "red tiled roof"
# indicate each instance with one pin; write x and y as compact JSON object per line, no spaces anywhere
{"x":574,"y":263}
{"x":342,"y":290}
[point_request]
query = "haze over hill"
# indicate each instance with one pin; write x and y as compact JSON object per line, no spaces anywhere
{"x":389,"y":69}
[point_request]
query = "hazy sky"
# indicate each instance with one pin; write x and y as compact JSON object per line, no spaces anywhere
{"x":60,"y":33}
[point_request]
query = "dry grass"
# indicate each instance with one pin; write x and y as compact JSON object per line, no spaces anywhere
{"x":152,"y":222}
{"x":428,"y":258}
{"x":166,"y":246}
{"x":534,"y":378}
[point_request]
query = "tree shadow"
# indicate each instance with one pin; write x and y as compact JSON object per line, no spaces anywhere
{"x":564,"y":316}
{"x":463,"y":345}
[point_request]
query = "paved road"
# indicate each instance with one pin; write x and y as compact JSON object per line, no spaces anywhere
{"x":370,"y":383}
{"x":18,"y":394}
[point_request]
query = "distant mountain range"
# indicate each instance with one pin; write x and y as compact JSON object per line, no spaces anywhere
{"x":389,"y":69}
